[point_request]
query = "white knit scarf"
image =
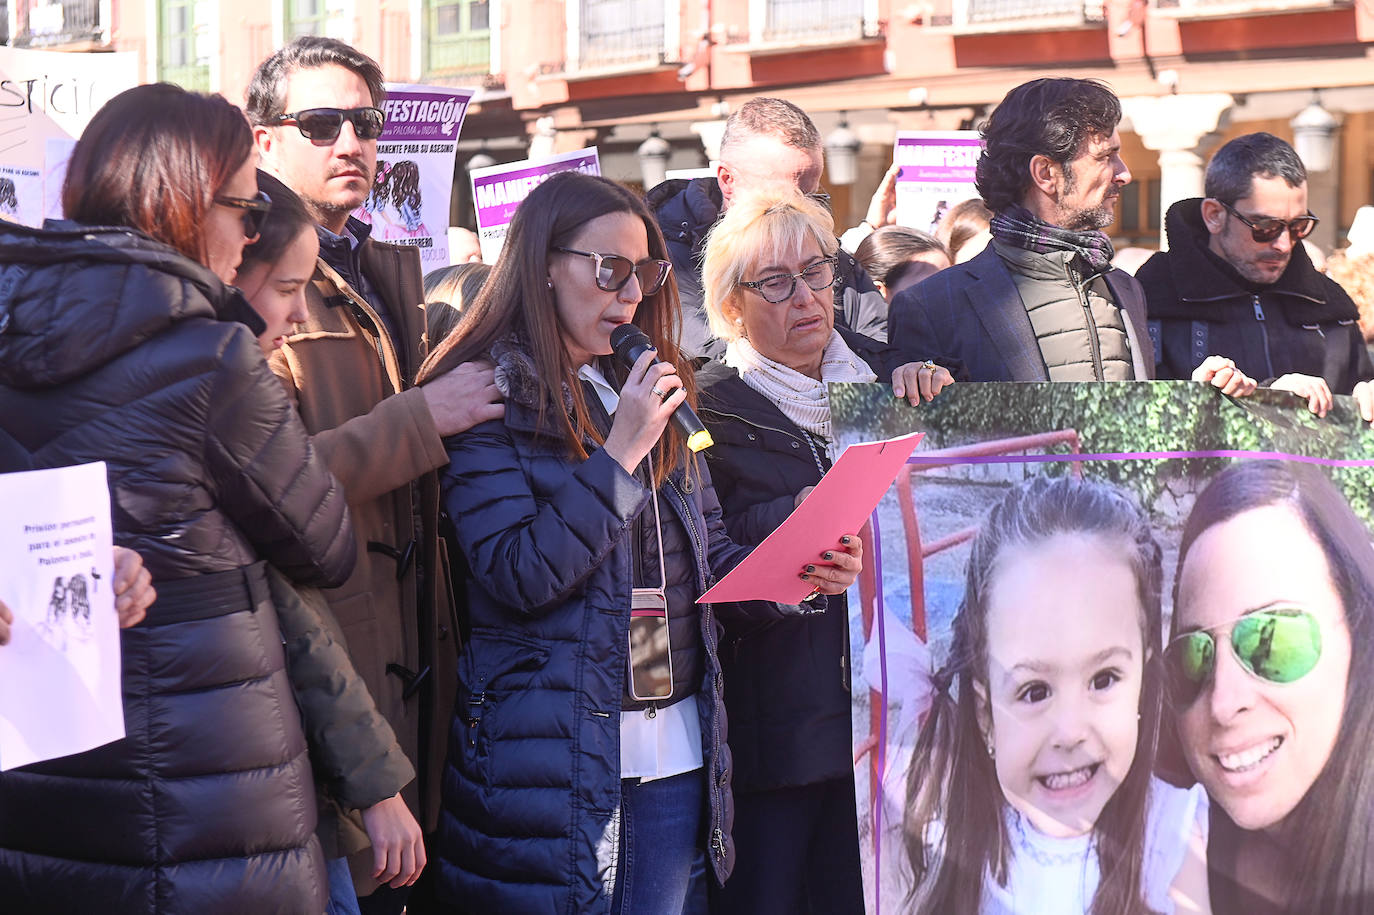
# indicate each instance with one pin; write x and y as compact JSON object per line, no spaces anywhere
{"x":801,"y":398}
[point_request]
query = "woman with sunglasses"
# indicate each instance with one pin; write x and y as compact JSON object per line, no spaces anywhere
{"x":587,"y":766}
{"x":122,"y":341}
{"x":768,"y":276}
{"x":1271,"y":669}
{"x":1237,"y":281}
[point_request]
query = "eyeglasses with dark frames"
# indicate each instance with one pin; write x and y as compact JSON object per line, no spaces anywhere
{"x":255,"y":210}
{"x":613,"y":271}
{"x":780,"y":286}
{"x":1267,"y":228}
{"x":325,"y":123}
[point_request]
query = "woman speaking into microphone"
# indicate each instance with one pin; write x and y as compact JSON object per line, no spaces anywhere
{"x":589,"y":741}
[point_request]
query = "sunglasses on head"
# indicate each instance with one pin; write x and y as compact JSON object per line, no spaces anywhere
{"x":614,"y":271}
{"x":255,"y":210}
{"x":1267,"y":228}
{"x":1279,"y":645}
{"x":325,"y":123}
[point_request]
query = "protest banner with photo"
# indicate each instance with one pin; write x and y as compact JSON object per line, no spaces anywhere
{"x":48,"y":96}
{"x":498,"y":189}
{"x":413,"y":184}
{"x":60,"y":672}
{"x":1105,"y":625}
{"x":937,"y":171}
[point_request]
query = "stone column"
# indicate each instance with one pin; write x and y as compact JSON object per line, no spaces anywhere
{"x":1182,"y":129}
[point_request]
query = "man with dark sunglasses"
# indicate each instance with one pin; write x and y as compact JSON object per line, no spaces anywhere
{"x":1237,"y":281}
{"x":315,"y":107}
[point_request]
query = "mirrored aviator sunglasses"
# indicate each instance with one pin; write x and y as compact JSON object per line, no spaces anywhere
{"x":614,"y":271}
{"x":1278,"y":646}
{"x":326,"y":123}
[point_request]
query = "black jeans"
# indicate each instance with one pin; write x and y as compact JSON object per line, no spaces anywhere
{"x":796,"y":851}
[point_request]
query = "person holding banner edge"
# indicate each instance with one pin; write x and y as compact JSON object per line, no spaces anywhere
{"x":768,"y":276}
{"x":568,"y":786}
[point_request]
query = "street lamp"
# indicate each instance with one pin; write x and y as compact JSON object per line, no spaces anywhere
{"x":480,"y":159}
{"x":653,"y":160}
{"x":1314,"y":135}
{"x":842,"y":150}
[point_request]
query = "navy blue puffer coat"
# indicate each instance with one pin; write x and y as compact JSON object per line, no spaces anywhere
{"x":533,"y":775}
{"x":116,"y":348}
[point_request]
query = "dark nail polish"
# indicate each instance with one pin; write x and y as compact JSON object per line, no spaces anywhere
{"x":845,"y":540}
{"x":827,"y":555}
{"x":810,"y":568}
{"x":802,"y":576}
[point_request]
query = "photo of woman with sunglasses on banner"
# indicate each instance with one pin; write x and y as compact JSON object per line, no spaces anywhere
{"x":577,"y":780}
{"x":1271,"y":672}
{"x":1030,"y":790}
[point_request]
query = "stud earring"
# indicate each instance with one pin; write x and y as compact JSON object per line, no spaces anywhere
{"x":549,"y":283}
{"x":739,"y":322}
{"x":992,"y":751}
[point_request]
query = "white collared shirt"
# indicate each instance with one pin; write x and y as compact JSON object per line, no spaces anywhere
{"x":669,"y":743}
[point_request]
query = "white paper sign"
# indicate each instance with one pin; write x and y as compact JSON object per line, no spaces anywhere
{"x":60,"y":673}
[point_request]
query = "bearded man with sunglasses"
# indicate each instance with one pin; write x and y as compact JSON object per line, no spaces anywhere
{"x":315,"y":109}
{"x":1237,"y":281}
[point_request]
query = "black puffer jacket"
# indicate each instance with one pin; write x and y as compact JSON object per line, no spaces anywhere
{"x":686,"y":211}
{"x":113,"y":349}
{"x":1198,"y":305}
{"x":533,"y":779}
{"x":787,"y":689}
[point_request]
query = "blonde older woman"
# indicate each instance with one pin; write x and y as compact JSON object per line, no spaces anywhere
{"x":768,"y":277}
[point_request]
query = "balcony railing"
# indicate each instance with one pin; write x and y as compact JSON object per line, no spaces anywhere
{"x":973,"y":16}
{"x":1223,"y":9}
{"x":57,"y":22}
{"x":619,"y":32}
{"x":806,"y":21}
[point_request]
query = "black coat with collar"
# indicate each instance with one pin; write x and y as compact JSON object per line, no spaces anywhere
{"x":787,"y":679}
{"x":1199,"y":305}
{"x":970,"y":319}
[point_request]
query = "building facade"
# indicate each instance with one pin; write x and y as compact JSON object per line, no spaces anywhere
{"x":554,"y":75}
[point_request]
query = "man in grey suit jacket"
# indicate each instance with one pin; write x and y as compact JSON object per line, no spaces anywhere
{"x":1042,"y":302}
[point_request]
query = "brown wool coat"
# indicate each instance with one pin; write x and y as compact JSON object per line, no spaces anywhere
{"x":378,"y":437}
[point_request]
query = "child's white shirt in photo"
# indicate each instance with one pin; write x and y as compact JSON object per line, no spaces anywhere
{"x":1052,"y":876}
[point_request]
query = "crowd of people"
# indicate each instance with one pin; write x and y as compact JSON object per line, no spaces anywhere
{"x":410,"y":593}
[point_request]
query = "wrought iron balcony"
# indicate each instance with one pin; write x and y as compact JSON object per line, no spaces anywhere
{"x":621,"y":32}
{"x":815,"y":21}
{"x":1225,"y":9}
{"x":56,"y":23}
{"x":967,"y":17}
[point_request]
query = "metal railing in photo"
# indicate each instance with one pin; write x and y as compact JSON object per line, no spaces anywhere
{"x":917,"y":551}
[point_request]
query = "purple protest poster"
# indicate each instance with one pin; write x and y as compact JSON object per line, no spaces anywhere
{"x":498,"y":190}
{"x":409,"y":203}
{"x":937,"y":172}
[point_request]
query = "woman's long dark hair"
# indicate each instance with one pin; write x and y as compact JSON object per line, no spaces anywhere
{"x":953,"y":782}
{"x":517,"y":301}
{"x":153,"y":158}
{"x":1332,"y":828}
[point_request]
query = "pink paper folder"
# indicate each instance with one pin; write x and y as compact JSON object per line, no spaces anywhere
{"x":839,"y":505}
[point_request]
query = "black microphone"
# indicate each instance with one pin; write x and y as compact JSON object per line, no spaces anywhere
{"x":629,"y":343}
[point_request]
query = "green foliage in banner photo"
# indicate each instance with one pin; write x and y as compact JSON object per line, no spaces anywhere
{"x":1173,"y":413}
